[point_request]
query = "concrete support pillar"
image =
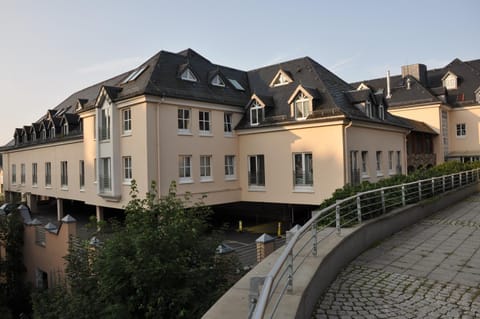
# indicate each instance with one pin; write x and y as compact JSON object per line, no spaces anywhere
{"x":99,"y":210}
{"x":32,"y":202}
{"x":59,"y":209}
{"x":265,"y":246}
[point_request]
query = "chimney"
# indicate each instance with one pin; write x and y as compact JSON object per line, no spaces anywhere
{"x":418,"y":71}
{"x":389,"y":92}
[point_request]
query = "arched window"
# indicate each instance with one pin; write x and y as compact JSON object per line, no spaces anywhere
{"x":302,"y":106}
{"x":256,"y":113}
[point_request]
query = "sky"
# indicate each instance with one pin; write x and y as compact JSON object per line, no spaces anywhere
{"x":50,"y":49}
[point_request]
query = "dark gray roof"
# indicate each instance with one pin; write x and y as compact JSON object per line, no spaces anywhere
{"x":329,"y":92}
{"x":418,"y":126}
{"x":432,"y":89}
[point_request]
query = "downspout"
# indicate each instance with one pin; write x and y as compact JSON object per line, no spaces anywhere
{"x":345,"y":151}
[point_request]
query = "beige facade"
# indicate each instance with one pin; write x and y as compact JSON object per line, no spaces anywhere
{"x":465,"y":131}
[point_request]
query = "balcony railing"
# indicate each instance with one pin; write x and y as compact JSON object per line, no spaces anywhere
{"x":344,"y":213}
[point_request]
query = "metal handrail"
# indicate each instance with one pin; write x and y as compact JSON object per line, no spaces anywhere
{"x":408,"y":193}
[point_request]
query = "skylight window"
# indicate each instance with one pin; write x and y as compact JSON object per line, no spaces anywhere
{"x":135,"y":74}
{"x":217,"y":81}
{"x":188,"y":75}
{"x":236,"y":85}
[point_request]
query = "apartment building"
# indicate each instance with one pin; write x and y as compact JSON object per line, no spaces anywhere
{"x":287,"y":134}
{"x":444,"y":106}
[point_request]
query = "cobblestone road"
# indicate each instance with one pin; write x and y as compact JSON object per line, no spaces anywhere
{"x":429,"y":270}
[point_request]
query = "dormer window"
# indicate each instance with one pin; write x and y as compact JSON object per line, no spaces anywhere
{"x":217,"y":81}
{"x":368,"y":109}
{"x":188,"y":75}
{"x":65,"y":129}
{"x":52,"y":132}
{"x":34,"y":136}
{"x":43,"y":134}
{"x":281,"y":78}
{"x":256,"y":113}
{"x":302,"y":106}
{"x":450,"y":81}
{"x":381,"y":112}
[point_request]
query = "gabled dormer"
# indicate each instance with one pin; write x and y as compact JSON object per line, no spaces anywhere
{"x":186,"y":73}
{"x":256,"y":109}
{"x":80,"y":104}
{"x":281,"y":78}
{"x":363,"y":86}
{"x":450,"y":81}
{"x":26,"y":133}
{"x":301,"y":102}
{"x":18,"y":135}
{"x":217,"y":80}
{"x":44,"y":130}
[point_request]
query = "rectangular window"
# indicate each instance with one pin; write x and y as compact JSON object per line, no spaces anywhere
{"x":22,"y":174}
{"x":230,"y":167}
{"x":183,"y":121}
{"x":256,"y":113}
{"x":81,"y":166}
{"x":256,"y":170}
{"x":105,"y":128}
{"x":48,"y":174}
{"x":302,"y":169}
{"x":364,"y":164}
{"x":204,"y":122}
{"x":34,"y":174}
{"x":206,"y":168}
{"x":127,"y":121}
{"x":379,"y":163}
{"x":127,"y":169}
{"x":105,"y":175}
{"x":227,"y":123}
{"x":461,"y":130}
{"x":390,"y":162}
{"x":14,"y":173}
{"x":185,"y":169}
{"x":64,"y":174}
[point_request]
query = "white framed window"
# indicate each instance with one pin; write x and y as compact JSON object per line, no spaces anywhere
{"x":391,"y":171}
{"x":52,"y":132}
{"x":461,"y":130}
{"x":379,"y":163}
{"x":256,"y":171}
{"x":127,"y":121}
{"x":227,"y":124}
{"x":204,"y":122}
{"x":256,"y":113}
{"x":188,"y":75}
{"x":34,"y":174}
{"x":302,"y":170}
{"x":14,"y":173}
{"x":105,"y":125}
{"x":302,"y":106}
{"x":105,"y":174}
{"x":206,"y":168}
{"x":230,"y":167}
{"x":48,"y":174}
{"x":64,"y":174}
{"x":364,"y":155}
{"x":81,"y":169}
{"x":184,"y":121}
{"x":65,"y":129}
{"x":127,"y":169}
{"x":399,"y":163}
{"x":450,"y":82}
{"x":185,"y":169}
{"x":217,"y":81}
{"x":22,"y":174}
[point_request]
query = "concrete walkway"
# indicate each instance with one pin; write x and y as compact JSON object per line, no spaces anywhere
{"x":429,"y":270}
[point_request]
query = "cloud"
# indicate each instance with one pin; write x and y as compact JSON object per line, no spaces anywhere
{"x":117,"y":65}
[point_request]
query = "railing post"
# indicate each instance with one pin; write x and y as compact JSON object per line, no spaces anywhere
{"x":314,"y":237}
{"x":433,"y":186}
{"x":382,"y":195}
{"x":337,"y":218}
{"x":419,"y":190}
{"x":453,"y":181}
{"x":254,"y":293}
{"x":478,"y":174}
{"x":359,"y":209}
{"x":443,"y":184}
{"x":290,"y":271}
{"x":403,"y":195}
{"x":460,"y":177}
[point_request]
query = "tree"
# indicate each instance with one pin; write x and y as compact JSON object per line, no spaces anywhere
{"x":14,"y":293}
{"x":160,"y":264}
